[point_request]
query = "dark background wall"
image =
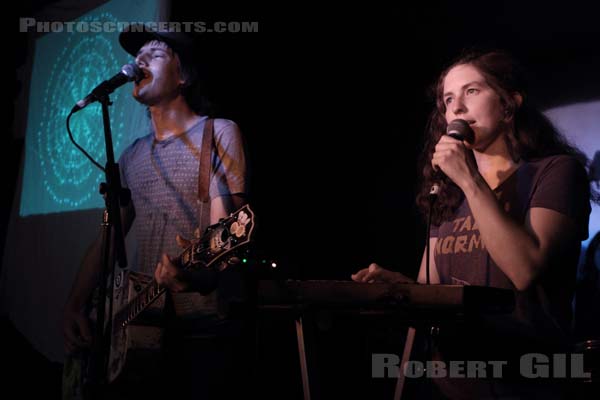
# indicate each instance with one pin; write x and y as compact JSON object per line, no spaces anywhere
{"x":333,"y":104}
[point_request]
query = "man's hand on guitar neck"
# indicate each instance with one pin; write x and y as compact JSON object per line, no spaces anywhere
{"x":169,"y":276}
{"x":202,"y":280}
{"x":175,"y":279}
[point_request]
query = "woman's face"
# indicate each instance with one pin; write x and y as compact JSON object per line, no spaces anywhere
{"x":467,"y":96}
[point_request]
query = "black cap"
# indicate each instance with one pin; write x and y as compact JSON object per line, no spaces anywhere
{"x":134,"y":36}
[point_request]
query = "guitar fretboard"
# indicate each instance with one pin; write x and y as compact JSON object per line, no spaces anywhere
{"x":147,"y":296}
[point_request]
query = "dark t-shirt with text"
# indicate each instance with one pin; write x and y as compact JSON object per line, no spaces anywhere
{"x":557,"y":183}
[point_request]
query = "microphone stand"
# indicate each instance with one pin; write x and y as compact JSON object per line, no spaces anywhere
{"x":433,"y":195}
{"x":458,"y":129}
{"x":430,"y":329}
{"x":114,"y":197}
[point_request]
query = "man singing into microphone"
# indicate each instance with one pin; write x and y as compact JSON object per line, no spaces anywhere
{"x":163,"y":171}
{"x":511,"y":213}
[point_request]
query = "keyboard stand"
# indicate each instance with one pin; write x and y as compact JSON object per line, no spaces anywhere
{"x":417,"y":303}
{"x":307,"y":352}
{"x":309,"y":375}
{"x":408,"y":345}
{"x":306,"y":381}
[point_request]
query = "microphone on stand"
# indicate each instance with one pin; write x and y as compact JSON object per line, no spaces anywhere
{"x":458,"y":129}
{"x":129,"y":72}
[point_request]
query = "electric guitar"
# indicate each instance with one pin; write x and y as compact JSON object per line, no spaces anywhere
{"x":215,"y":249}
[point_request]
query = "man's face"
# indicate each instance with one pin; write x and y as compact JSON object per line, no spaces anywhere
{"x":162,"y":74}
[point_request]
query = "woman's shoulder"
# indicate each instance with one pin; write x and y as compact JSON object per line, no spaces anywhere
{"x":564,"y":162}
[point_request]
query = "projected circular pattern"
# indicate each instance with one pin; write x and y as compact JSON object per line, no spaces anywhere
{"x":88,"y":59}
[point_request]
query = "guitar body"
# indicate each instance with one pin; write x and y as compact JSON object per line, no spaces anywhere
{"x":137,"y":302}
{"x":118,"y":335}
{"x":145,"y":333}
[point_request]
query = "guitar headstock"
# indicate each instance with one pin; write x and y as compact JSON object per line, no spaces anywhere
{"x":221,"y":239}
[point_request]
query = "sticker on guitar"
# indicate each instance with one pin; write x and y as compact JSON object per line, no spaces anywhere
{"x":219,"y":239}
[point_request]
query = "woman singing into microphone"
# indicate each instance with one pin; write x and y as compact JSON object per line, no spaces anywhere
{"x":511,"y":213}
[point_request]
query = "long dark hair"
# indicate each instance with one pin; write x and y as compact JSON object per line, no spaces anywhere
{"x":533,"y":135}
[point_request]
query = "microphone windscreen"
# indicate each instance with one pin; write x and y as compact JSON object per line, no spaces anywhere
{"x":132,"y":71}
{"x":460,"y":129}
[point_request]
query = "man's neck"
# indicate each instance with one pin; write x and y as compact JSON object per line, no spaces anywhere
{"x":172,"y":119}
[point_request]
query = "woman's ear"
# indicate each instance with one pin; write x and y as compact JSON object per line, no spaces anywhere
{"x":509,"y":112}
{"x":518,"y":97}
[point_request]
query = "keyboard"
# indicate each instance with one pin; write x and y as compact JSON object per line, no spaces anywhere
{"x":400,"y":296}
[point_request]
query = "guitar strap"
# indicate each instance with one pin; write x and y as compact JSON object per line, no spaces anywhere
{"x":204,"y":172}
{"x":187,"y":304}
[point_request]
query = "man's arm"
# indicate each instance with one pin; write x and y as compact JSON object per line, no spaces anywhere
{"x":222,"y":206}
{"x":76,"y":330}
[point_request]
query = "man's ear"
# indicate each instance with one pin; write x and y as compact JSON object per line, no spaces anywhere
{"x":183,"y":78}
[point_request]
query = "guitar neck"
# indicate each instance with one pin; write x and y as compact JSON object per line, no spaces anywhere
{"x":150,"y":292}
{"x":146,"y":297}
{"x":218,"y":240}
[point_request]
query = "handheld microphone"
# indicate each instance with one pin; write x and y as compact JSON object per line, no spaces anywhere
{"x":458,"y":129}
{"x":129,"y":72}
